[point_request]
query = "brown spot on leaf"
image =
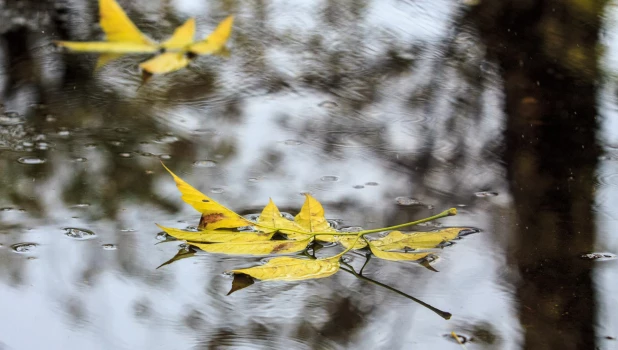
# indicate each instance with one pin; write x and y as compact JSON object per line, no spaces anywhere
{"x":282,"y":246}
{"x":210,"y":219}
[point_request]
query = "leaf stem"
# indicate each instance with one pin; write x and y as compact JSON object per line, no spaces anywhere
{"x":445,"y":213}
{"x":445,"y":315}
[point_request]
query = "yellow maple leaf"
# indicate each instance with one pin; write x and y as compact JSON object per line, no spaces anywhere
{"x":255,"y":248}
{"x":216,"y":236}
{"x":292,"y":269}
{"x":214,"y":215}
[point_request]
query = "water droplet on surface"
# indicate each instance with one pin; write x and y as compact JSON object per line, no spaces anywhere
{"x":161,"y":236}
{"x":27,"y":144}
{"x":23,"y":247}
{"x":407,"y":201}
{"x":116,"y":143}
{"x":253,"y":179}
{"x":79,"y":233}
{"x":109,"y":247}
{"x":79,"y":159}
{"x":128,"y":230}
{"x":371,"y":183}
{"x":165,"y":156}
{"x":205,"y":163}
{"x":125,"y":155}
{"x":598,"y":256}
{"x":486,"y":194}
{"x":329,"y":178}
{"x":347,"y":259}
{"x":64,"y":132}
{"x":31,"y":160}
{"x":217,"y":190}
{"x":292,"y":142}
{"x":358,"y":187}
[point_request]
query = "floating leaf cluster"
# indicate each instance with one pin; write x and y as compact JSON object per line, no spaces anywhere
{"x":223,"y":231}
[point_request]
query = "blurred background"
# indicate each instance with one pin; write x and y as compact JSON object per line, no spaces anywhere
{"x":385,"y":110}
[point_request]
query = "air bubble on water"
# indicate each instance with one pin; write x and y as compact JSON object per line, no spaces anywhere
{"x":116,"y":143}
{"x":31,"y":160}
{"x":64,"y":132}
{"x":11,"y":118}
{"x":161,"y":236}
{"x":192,"y":228}
{"x":79,"y":159}
{"x":166,"y":139}
{"x":227,"y":274}
{"x":81,"y":205}
{"x":358,"y":187}
{"x":287,"y":216}
{"x":252,"y":217}
{"x":292,"y":142}
{"x":165,"y":156}
{"x":405,"y":201}
{"x":598,"y":256}
{"x":217,"y":190}
{"x":205,"y":163}
{"x":27,"y":144}
{"x":42,"y":145}
{"x":184,"y":246}
{"x":128,"y":230}
{"x":329,"y":178}
{"x":78,"y":233}
{"x":351,"y":229}
{"x":371,"y":183}
{"x":253,"y":179}
{"x":125,"y":155}
{"x":486,"y":194}
{"x":23,"y":247}
{"x":347,"y":259}
{"x":328,"y":104}
{"x":109,"y":247}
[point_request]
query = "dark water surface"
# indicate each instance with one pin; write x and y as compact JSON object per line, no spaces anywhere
{"x":506,"y":110}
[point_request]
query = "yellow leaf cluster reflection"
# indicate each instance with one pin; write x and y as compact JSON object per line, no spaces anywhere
{"x":123,"y":37}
